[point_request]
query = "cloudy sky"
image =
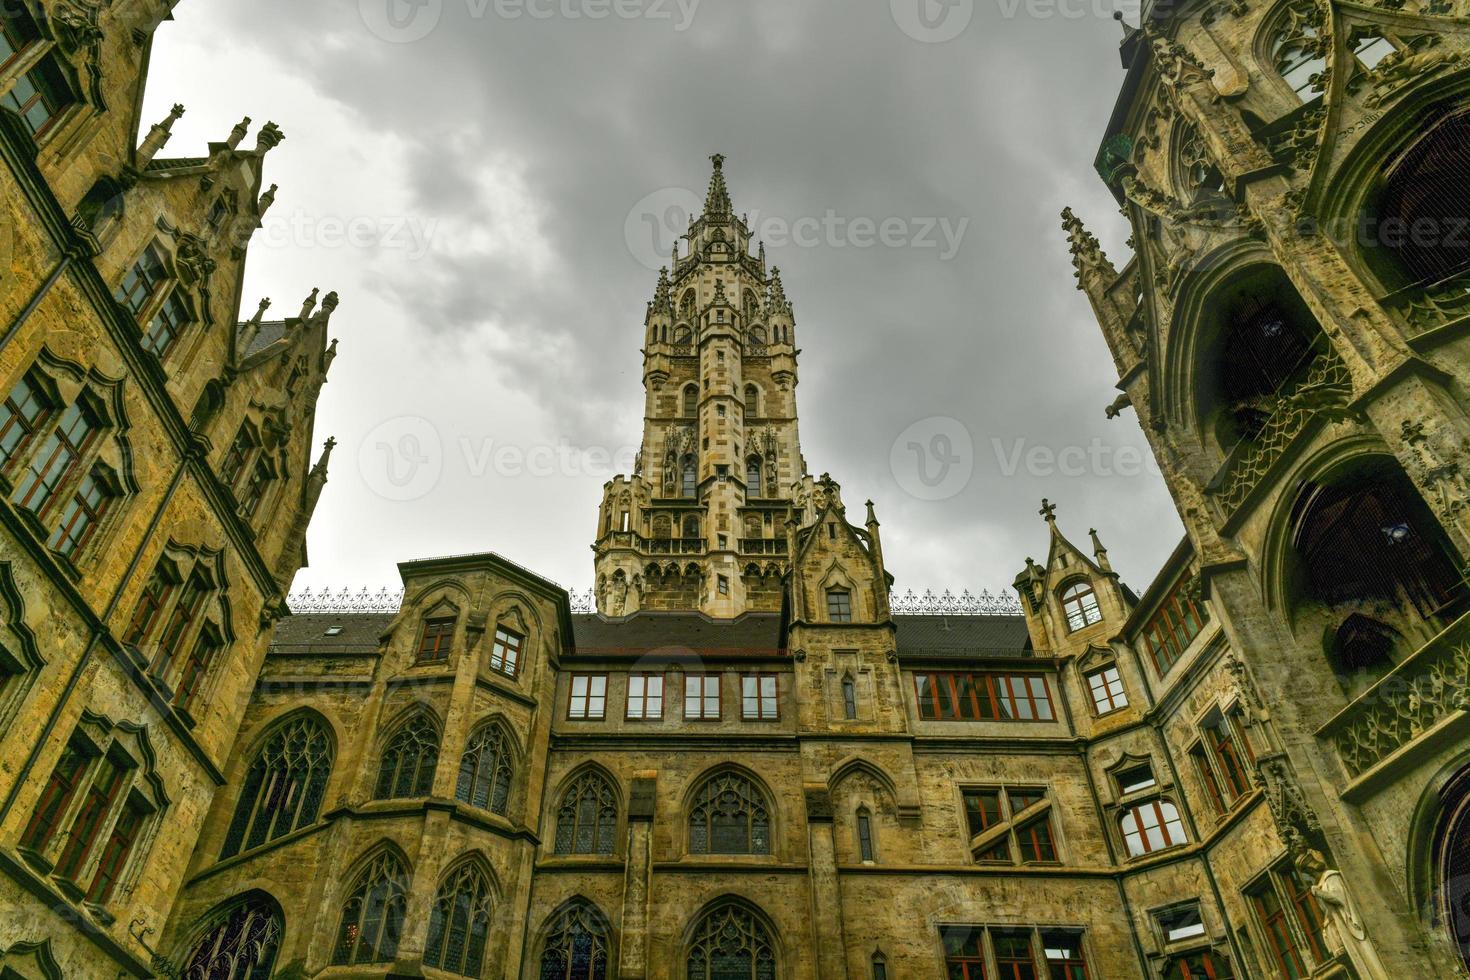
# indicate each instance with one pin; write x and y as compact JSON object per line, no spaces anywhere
{"x":491,"y":184}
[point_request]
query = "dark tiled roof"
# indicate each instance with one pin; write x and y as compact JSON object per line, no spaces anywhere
{"x":175,"y":163}
{"x":307,"y":632}
{"x":963,"y":636}
{"x":754,"y":634}
{"x":270,"y":332}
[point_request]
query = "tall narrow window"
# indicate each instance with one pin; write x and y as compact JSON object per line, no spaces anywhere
{"x":284,"y":786}
{"x":753,"y":476}
{"x":964,"y":952}
{"x":459,"y":923}
{"x":117,"y":850}
{"x":839,"y":606}
{"x":983,"y":811}
{"x":587,"y":700}
{"x":83,"y":512}
{"x":155,"y":596}
{"x":57,"y":458}
{"x":865,"y":834}
{"x":645,"y":697}
{"x":436,"y":639}
{"x":1079,"y":603}
{"x":691,"y":401}
{"x":196,"y":667}
{"x":587,"y":817}
{"x":485,"y":770}
{"x":22,"y":415}
{"x":505,"y":653}
{"x":690,"y":485}
{"x":729,"y":816}
{"x":181,"y":618}
{"x":238,"y":943}
{"x":758,"y":698}
{"x":102,"y":790}
{"x":61,"y":788}
{"x":880,"y":967}
{"x":409,"y":760}
{"x":849,"y":699}
{"x":255,"y":487}
{"x":142,"y":281}
{"x":1013,"y":955}
{"x":752,"y":402}
{"x":1279,"y":940}
{"x":241,"y":452}
{"x":372,"y":916}
{"x":702,"y":697}
{"x":1308,"y":913}
{"x":576,"y":946}
{"x":731,"y":943}
{"x":167,"y":324}
{"x":17,"y":32}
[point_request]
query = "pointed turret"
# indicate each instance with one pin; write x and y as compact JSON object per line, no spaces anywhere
{"x":158,"y":137}
{"x":1099,"y":552}
{"x":238,"y":133}
{"x":1113,"y":304}
{"x":717,"y":199}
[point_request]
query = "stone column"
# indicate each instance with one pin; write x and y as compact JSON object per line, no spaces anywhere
{"x":637,"y":879}
{"x":826,"y":895}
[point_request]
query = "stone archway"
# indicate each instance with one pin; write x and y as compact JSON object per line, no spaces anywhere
{"x":1451,"y":867}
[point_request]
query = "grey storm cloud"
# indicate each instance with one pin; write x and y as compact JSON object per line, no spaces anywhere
{"x":503,"y":157}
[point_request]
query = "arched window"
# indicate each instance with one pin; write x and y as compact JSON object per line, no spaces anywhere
{"x":1428,"y":188}
{"x":866,"y":850}
{"x":686,"y":306}
{"x":663,"y":526}
{"x":576,"y":946}
{"x":1298,"y":52}
{"x":691,"y":526}
{"x":1266,"y":341}
{"x":459,"y":923}
{"x":485,"y":770}
{"x":730,"y":943}
{"x":849,"y":698}
{"x":408,"y":762}
{"x":372,"y":916}
{"x":1152,"y":826}
{"x":752,"y":402}
{"x":1451,"y":868}
{"x":729,"y":816}
{"x":587,"y":819}
{"x":682,"y":334}
{"x":690,"y":483}
{"x":1366,"y":538}
{"x":1079,"y":602}
{"x":757,"y":334}
{"x":283,"y":787}
{"x":238,"y":942}
{"x":691,"y":401}
{"x":753,"y":476}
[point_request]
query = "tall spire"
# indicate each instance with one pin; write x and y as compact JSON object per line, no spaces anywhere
{"x":717,"y":201}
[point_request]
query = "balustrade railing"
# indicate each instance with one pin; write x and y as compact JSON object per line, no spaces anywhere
{"x":1426,"y":308}
{"x":763,"y":546}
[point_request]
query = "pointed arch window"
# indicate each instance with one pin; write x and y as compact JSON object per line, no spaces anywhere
{"x":729,"y":816}
{"x":752,"y":402}
{"x":485,"y":770}
{"x":237,"y":943}
{"x":753,"y":476}
{"x":587,"y":818}
{"x":691,"y":401}
{"x":1079,"y":603}
{"x":691,"y":526}
{"x":880,"y":967}
{"x":1425,"y":188}
{"x":459,"y":923}
{"x":409,"y":760}
{"x":284,"y":787}
{"x":1298,"y":51}
{"x":576,"y":946}
{"x":730,"y":943}
{"x":866,"y":850}
{"x":372,"y":916}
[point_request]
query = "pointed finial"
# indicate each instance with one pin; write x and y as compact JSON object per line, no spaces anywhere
{"x":319,"y":471}
{"x":1048,"y":511}
{"x":1087,"y":254}
{"x":238,"y":133}
{"x":267,"y":199}
{"x":310,"y":304}
{"x":265,"y":304}
{"x":158,"y":136}
{"x":717,"y":201}
{"x":330,"y":302}
{"x":872,"y":517}
{"x":1099,"y":552}
{"x":269,"y":137}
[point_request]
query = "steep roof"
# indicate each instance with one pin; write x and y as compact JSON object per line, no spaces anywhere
{"x":307,"y":632}
{"x":754,"y":634}
{"x":963,"y":637}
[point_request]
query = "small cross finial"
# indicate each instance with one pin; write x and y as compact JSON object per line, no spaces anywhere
{"x":1048,"y":511}
{"x":718,"y":159}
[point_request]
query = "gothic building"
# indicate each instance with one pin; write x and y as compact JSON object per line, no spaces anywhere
{"x":156,"y":479}
{"x":752,"y":759}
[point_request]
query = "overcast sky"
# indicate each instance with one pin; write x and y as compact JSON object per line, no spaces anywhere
{"x":491,"y":184}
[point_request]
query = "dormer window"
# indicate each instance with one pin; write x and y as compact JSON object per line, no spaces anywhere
{"x":436,"y":639}
{"x":1079,"y":602}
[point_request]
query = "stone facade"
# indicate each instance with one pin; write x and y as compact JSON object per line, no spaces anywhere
{"x":747,"y":762}
{"x":145,"y":547}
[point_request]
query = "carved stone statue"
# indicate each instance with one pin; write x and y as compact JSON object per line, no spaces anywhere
{"x":1344,"y":927}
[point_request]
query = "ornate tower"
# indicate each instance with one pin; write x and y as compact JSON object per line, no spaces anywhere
{"x":700,"y":524}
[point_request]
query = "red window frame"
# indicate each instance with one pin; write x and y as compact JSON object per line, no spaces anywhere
{"x":1014,"y":958}
{"x":18,"y":42}
{"x":966,"y":696}
{"x":142,"y":281}
{"x":767,"y":705}
{"x":102,"y":790}
{"x":1207,"y":776}
{"x":27,"y":413}
{"x":47,"y":89}
{"x":1102,"y":683}
{"x":1168,"y":633}
{"x":79,"y":520}
{"x":436,"y":639}
{"x":150,"y":603}
{"x":185,"y":612}
{"x":586,"y":698}
{"x":1200,"y":966}
{"x":168,"y":323}
{"x":1271,"y":915}
{"x":505,"y":651}
{"x":66,"y":779}
{"x":1135,"y":813}
{"x":1308,"y":912}
{"x":1220,"y":742}
{"x":116,"y":851}
{"x":1071,"y":964}
{"x":707,"y":682}
{"x":645,"y":699}
{"x":967,"y":952}
{"x":206,"y":649}
{"x":65,"y":447}
{"x":984,"y":809}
